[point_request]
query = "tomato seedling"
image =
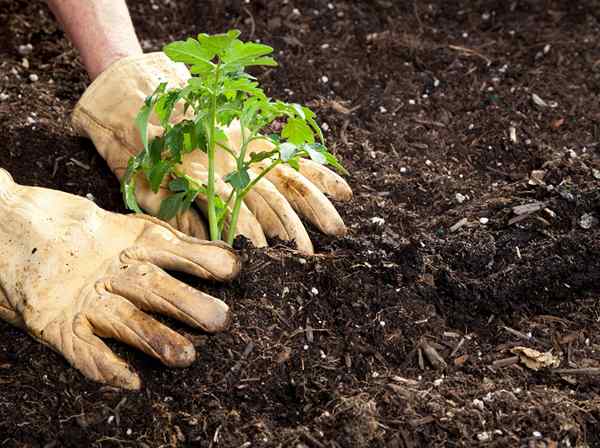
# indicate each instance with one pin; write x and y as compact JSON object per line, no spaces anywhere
{"x":219,"y":91}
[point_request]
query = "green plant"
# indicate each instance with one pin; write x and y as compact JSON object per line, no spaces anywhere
{"x":219,"y":91}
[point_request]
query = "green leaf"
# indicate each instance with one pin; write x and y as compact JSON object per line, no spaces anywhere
{"x":170,"y":206}
{"x":141,"y":122}
{"x":266,"y":61}
{"x":157,"y":174}
{"x":260,"y":156}
{"x":156,"y":148}
{"x":294,"y":163}
{"x":245,"y":53}
{"x":128,"y":183}
{"x":189,"y":52}
{"x":165,"y":104}
{"x":179,"y":184}
{"x":221,"y":136}
{"x":217,"y":44}
{"x":141,"y":119}
{"x":189,"y":199}
{"x":330,"y":159}
{"x":174,"y":142}
{"x":231,"y":87}
{"x":310,"y":118}
{"x":129,"y":197}
{"x":297,"y":132}
{"x":287,"y":151}
{"x":238,"y":179}
{"x":204,"y":68}
{"x":316,"y":156}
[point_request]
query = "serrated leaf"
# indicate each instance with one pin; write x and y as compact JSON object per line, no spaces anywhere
{"x":129,"y":197}
{"x":260,"y":156}
{"x":297,"y":132}
{"x":165,"y":104}
{"x":142,"y":117}
{"x":188,"y":199}
{"x":128,"y":183}
{"x":287,"y":151}
{"x":266,"y":61}
{"x":157,"y":174}
{"x":178,"y":184}
{"x":310,"y":118}
{"x":189,"y":52}
{"x":294,"y":163}
{"x":141,"y":122}
{"x":329,"y":158}
{"x":170,"y":206}
{"x":156,"y":148}
{"x":245,"y":52}
{"x":316,"y":156}
{"x":220,"y":136}
{"x":238,"y":179}
{"x":203,"y":68}
{"x":174,"y":142}
{"x":217,"y":44}
{"x":299,"y":111}
{"x":231,"y":87}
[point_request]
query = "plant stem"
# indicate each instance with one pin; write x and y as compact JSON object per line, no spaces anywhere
{"x":234,"y":218}
{"x":239,"y":196}
{"x":259,"y":177}
{"x":212,"y":215}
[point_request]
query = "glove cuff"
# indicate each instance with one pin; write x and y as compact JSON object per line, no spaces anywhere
{"x":107,"y":110}
{"x":120,"y":69}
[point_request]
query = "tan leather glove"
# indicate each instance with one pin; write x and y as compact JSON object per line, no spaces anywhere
{"x":71,"y":273}
{"x":106,"y":114}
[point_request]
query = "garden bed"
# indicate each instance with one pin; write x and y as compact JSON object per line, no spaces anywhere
{"x":448,"y":115}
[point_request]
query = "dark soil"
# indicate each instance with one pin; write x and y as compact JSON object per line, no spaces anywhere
{"x":331,"y":350}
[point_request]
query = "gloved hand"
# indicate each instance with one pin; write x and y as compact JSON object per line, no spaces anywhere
{"x":71,"y":273}
{"x":106,"y":113}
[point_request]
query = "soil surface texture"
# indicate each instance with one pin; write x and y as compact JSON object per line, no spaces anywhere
{"x":451,"y":116}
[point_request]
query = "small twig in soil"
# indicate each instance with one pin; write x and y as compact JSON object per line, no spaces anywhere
{"x":245,"y":354}
{"x":526,"y":336}
{"x":416,"y":12}
{"x":458,"y":346}
{"x":458,"y":225}
{"x":582,"y":371}
{"x":420,"y":357}
{"x":55,"y":167}
{"x":470,"y":52}
{"x":252,"y":23}
{"x":506,"y":362}
{"x":80,"y":164}
{"x":431,"y":123}
{"x":433,"y":356}
{"x":309,"y":332}
{"x":343,"y":133}
{"x":312,"y":440}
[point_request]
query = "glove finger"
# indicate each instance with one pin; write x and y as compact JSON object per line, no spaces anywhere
{"x":307,"y":200}
{"x":114,"y":317}
{"x":151,"y":289}
{"x":88,"y":354}
{"x":326,"y":180}
{"x":247,"y":224}
{"x":7,"y":312}
{"x":188,"y":222}
{"x":276,"y":216}
{"x":166,"y":247}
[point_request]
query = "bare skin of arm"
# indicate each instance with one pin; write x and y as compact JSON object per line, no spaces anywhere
{"x":101,"y":30}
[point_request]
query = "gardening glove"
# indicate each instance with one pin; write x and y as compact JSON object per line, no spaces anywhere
{"x":72,"y":273}
{"x":106,"y":113}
